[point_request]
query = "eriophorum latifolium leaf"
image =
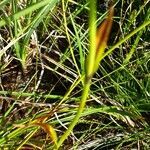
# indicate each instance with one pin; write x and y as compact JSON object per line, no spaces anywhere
{"x":102,"y":36}
{"x":49,"y":130}
{"x":98,"y":41}
{"x":46,"y":127}
{"x":98,"y":44}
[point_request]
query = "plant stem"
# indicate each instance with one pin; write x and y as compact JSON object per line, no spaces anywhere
{"x":88,"y":74}
{"x":92,"y":34}
{"x":79,"y":112}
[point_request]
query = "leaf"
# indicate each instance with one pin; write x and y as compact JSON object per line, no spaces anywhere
{"x":102,"y":36}
{"x":41,"y":119}
{"x":49,"y":130}
{"x":104,"y":30}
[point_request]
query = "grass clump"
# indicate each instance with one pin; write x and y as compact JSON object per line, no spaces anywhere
{"x":57,"y":56}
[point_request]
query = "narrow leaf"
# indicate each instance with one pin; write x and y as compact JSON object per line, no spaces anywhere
{"x":102,"y":36}
{"x":40,"y":119}
{"x":49,"y":130}
{"x":103,"y":31}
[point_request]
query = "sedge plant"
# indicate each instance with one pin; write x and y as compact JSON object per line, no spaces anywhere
{"x":98,"y":41}
{"x":27,"y":24}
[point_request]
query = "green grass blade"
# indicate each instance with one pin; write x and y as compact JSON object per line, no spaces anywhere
{"x":26,"y":11}
{"x":126,"y":38}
